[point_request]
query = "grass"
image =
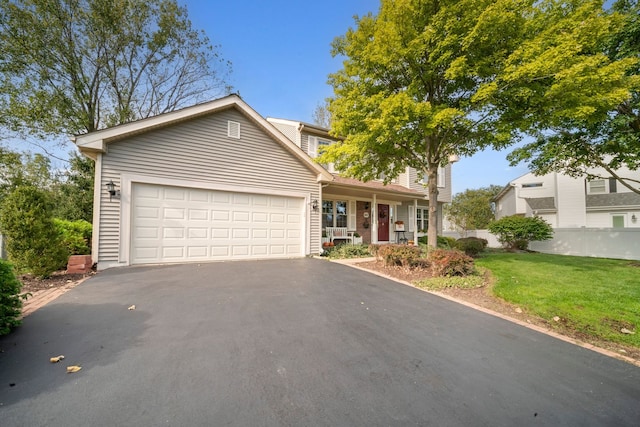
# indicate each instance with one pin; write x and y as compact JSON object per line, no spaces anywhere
{"x":594,"y":296}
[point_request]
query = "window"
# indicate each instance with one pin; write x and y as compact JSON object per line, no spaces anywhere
{"x":334,"y":213}
{"x":441,"y":177}
{"x":532,"y":185}
{"x":315,"y":147}
{"x":618,"y":221}
{"x":597,"y":186}
{"x":422,"y":218}
{"x":327,"y":213}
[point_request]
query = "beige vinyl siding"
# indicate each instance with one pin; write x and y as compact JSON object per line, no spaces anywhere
{"x":444,"y":193}
{"x":287,"y":130}
{"x":200,"y":150}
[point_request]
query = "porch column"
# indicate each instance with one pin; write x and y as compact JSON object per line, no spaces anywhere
{"x":374,"y":220}
{"x":415,"y":222}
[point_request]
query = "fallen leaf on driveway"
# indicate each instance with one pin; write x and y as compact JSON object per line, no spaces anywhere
{"x":72,"y":369}
{"x":56,"y":359}
{"x":133,"y":307}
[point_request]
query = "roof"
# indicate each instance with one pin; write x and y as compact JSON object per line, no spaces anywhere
{"x":542,"y":203}
{"x":340,"y":181}
{"x":96,"y":142}
{"x":613,"y":200}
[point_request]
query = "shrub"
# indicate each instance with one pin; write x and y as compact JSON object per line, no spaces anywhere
{"x":447,"y":262}
{"x":516,"y":231}
{"x":76,"y":235}
{"x":347,"y":251}
{"x":399,"y":255}
{"x":10,"y":300}
{"x":471,"y":246}
{"x":443,"y":241}
{"x":466,"y":282}
{"x":33,"y":242}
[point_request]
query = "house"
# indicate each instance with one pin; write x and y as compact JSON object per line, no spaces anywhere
{"x":567,"y":202}
{"x":217,"y":181}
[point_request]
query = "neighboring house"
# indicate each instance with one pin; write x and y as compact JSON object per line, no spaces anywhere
{"x":567,"y":202}
{"x":217,"y":181}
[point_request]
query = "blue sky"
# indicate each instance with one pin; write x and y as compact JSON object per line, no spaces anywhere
{"x":281,"y":55}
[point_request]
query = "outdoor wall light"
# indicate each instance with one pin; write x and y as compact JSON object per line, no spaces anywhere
{"x":366,"y":206}
{"x":634,"y":218}
{"x":111,"y":188}
{"x":314,"y":205}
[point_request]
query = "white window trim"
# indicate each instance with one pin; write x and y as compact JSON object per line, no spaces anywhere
{"x":605,"y":186}
{"x":623,"y":216}
{"x":441,"y":178}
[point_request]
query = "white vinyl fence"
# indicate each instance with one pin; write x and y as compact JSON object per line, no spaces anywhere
{"x":620,"y":243}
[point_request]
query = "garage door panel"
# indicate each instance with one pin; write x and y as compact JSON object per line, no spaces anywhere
{"x":197,"y":252}
{"x":171,"y":224}
{"x":172,"y":193}
{"x":173,"y":252}
{"x":198,"y":214}
{"x":241,"y":216}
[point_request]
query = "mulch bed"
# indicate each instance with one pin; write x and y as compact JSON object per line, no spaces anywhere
{"x":56,"y":280}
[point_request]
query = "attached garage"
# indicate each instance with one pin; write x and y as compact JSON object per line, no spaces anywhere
{"x":212,"y":182}
{"x":175,"y":224}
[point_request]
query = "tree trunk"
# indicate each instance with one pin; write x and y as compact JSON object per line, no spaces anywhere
{"x":432,"y":231}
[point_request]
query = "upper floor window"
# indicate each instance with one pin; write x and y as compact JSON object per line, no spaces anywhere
{"x":441,"y":177}
{"x":315,"y":147}
{"x":597,"y":186}
{"x":532,"y":185}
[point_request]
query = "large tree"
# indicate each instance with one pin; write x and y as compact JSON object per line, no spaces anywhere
{"x":580,"y":91}
{"x":471,"y":209}
{"x":74,"y":66}
{"x":412,"y":90}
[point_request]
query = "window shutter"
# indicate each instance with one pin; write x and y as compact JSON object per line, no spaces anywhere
{"x":441,"y":177}
{"x":351,"y":215}
{"x":313,"y":147}
{"x":412,"y":217}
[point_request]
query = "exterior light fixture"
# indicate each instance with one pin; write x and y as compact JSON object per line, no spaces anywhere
{"x":314,"y":205}
{"x":634,"y":218}
{"x":111,"y":188}
{"x":366,"y":206}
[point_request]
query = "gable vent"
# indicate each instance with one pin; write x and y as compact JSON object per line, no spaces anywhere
{"x":233,"y":129}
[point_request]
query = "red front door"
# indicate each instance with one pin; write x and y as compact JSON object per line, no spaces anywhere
{"x":383,"y":223}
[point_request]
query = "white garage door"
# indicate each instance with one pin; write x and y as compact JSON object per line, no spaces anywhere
{"x":175,"y":224}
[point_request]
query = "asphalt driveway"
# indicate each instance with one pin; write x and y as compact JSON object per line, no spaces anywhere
{"x":292,"y":343}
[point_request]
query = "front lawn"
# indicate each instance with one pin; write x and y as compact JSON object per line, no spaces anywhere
{"x":593,"y":296}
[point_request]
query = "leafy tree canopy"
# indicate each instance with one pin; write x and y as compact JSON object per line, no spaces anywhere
{"x":74,"y":66}
{"x":412,"y":88}
{"x":578,"y":90}
{"x":471,"y":209}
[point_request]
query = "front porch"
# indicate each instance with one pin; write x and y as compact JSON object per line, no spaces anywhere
{"x":373,"y":213}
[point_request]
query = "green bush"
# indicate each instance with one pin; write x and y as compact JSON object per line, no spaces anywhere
{"x":466,"y":282}
{"x":443,"y":241}
{"x":400,"y":255}
{"x":515,"y":232}
{"x":471,"y":246}
{"x":10,"y":300}
{"x":33,"y":243}
{"x":76,"y":235}
{"x":347,"y":251}
{"x":448,"y":262}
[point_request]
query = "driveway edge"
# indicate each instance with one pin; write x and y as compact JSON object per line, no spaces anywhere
{"x":354,"y":263}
